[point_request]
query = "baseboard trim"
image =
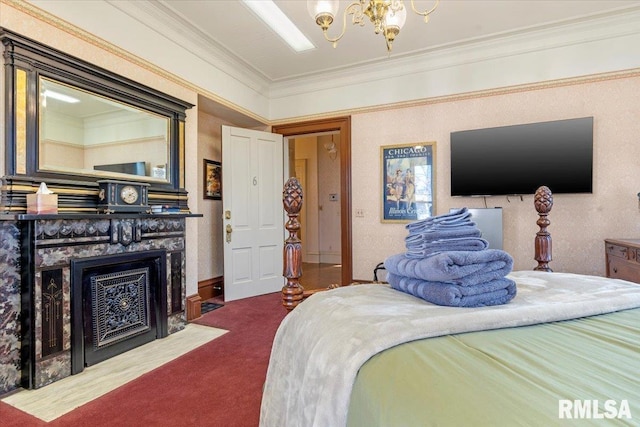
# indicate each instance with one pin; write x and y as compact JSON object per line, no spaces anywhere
{"x":194,"y":310}
{"x":211,"y":288}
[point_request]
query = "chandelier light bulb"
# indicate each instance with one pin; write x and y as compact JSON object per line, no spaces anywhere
{"x":323,"y":6}
{"x":323,"y":11}
{"x":396,"y":18}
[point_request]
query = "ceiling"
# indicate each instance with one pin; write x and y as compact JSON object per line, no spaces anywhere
{"x":230,"y":27}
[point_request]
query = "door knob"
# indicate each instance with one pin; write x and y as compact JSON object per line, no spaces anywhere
{"x":229,"y":230}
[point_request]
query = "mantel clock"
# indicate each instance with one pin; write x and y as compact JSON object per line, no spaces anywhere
{"x":122,"y":196}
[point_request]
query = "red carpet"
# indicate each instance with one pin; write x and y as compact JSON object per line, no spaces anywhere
{"x":217,"y":384}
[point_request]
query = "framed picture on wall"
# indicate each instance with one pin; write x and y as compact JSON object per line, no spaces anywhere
{"x":212,"y":180}
{"x":408,"y":181}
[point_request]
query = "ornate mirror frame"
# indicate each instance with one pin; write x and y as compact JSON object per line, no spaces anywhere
{"x":26,"y":62}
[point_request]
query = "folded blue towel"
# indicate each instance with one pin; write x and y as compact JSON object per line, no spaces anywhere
{"x":439,"y":234}
{"x":494,"y":292}
{"x":475,"y":242}
{"x":427,"y":249}
{"x":465,"y":268}
{"x":452,"y":219}
{"x":468,"y":230}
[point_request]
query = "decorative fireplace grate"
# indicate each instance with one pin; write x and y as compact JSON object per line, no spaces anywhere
{"x":119,"y":302}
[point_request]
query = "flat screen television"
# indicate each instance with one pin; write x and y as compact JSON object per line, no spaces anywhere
{"x":133,"y":168}
{"x":516,"y":160}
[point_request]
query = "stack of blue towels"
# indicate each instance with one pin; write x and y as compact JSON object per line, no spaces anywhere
{"x":447,"y":262}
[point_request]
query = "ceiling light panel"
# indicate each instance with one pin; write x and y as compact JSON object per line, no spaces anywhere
{"x":271,"y":14}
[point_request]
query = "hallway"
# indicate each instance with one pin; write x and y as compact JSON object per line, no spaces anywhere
{"x":315,"y":276}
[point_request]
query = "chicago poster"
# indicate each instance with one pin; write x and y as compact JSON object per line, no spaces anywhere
{"x":408,"y":173}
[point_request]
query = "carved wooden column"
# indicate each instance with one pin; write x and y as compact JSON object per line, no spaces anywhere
{"x":292,"y":291}
{"x":543,"y":201}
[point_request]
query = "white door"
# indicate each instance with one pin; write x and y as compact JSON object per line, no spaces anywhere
{"x":253,"y":223}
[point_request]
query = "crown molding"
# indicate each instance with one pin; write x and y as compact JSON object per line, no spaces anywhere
{"x":157,"y":14}
{"x":506,"y":90}
{"x":612,"y":25}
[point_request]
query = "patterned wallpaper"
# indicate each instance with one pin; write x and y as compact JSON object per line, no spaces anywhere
{"x":579,"y":223}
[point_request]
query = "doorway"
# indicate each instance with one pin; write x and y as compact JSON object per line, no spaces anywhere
{"x":340,"y":128}
{"x":317,"y":168}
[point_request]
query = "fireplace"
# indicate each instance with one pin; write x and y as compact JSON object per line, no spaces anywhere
{"x":134,"y":265}
{"x":118,"y":302}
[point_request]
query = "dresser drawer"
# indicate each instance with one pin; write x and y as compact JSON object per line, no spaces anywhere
{"x":619,"y":251}
{"x":621,"y":269}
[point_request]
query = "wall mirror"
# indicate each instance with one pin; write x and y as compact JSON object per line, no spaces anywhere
{"x":88,"y":134}
{"x":68,"y":119}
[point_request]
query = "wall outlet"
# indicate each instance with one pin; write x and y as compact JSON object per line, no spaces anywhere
{"x":360,"y":213}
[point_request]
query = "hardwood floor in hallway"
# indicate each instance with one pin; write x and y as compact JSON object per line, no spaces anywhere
{"x":315,"y":276}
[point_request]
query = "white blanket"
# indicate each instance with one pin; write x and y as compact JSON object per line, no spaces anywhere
{"x":321,"y":345}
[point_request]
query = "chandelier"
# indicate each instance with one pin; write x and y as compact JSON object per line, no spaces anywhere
{"x":387,"y":16}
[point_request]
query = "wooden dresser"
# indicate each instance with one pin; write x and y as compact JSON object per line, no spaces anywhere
{"x":623,"y":259}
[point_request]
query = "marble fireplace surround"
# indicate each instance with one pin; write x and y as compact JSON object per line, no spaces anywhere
{"x":36,"y":293}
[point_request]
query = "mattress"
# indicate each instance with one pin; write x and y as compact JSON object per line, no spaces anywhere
{"x":516,"y":376}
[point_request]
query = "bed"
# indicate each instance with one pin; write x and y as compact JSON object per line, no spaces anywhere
{"x":567,"y":346}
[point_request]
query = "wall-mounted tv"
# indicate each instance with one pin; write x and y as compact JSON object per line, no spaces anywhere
{"x":133,"y":168}
{"x":516,"y":160}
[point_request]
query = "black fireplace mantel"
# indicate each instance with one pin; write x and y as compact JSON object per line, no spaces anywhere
{"x":77,"y":216}
{"x":36,"y":296}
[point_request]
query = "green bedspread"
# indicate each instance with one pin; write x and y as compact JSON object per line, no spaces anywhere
{"x":322,"y":344}
{"x":513,"y":376}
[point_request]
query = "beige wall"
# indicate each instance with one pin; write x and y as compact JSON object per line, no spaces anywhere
{"x":210,"y":238}
{"x":579,"y":223}
{"x":329,"y":214}
{"x":152,"y":152}
{"x":61,"y":154}
{"x":306,"y":148}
